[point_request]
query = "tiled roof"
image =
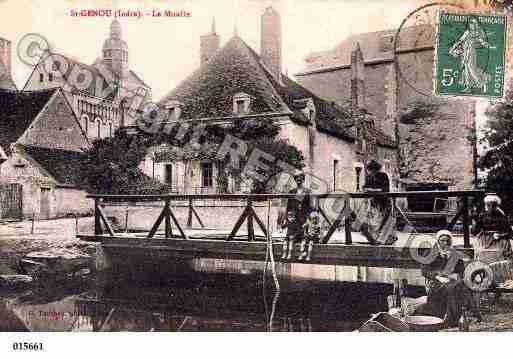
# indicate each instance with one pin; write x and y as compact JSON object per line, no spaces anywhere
{"x":209,"y":91}
{"x":6,"y":81}
{"x":18,"y":109}
{"x":236,"y":68}
{"x":64,"y":166}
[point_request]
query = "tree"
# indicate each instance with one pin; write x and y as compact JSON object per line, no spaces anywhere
{"x":111,"y":166}
{"x":497,"y":161}
{"x":112,"y":163}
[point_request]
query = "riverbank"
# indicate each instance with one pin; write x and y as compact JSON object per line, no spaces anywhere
{"x":49,"y":247}
{"x":54,"y":252}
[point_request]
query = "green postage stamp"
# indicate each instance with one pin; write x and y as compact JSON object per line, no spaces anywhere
{"x":470,"y":55}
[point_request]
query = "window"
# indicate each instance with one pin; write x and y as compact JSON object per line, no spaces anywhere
{"x":50,"y":77}
{"x":240,"y":107}
{"x":207,"y":178}
{"x":41,"y":77}
{"x":241,"y":104}
{"x":168,"y":174}
{"x":174,"y":109}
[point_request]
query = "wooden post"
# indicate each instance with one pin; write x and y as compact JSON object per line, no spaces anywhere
{"x":466,"y":223}
{"x":347,"y":230}
{"x":76,"y":223}
{"x":251,"y":231}
{"x":189,"y":216}
{"x":33,"y":219}
{"x":97,"y":221}
{"x":167,"y":219}
{"x":126,"y":221}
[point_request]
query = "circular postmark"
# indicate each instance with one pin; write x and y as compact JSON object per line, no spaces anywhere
{"x":419,"y":32}
{"x":32,"y":48}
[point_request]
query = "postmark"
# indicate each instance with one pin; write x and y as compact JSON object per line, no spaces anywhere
{"x":470,"y":55}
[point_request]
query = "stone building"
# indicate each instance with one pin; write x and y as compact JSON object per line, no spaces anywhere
{"x":235,"y":83}
{"x":43,"y":144}
{"x":435,"y":136}
{"x":99,"y":93}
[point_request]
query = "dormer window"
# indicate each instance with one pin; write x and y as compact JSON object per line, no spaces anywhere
{"x":241,"y":104}
{"x":174,"y":110}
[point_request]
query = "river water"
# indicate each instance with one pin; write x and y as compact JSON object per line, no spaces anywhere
{"x":194,"y":302}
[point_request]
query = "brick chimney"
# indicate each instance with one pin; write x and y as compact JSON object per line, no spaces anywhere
{"x":357,"y":78}
{"x":209,"y":44}
{"x":270,"y":47}
{"x":5,"y":65}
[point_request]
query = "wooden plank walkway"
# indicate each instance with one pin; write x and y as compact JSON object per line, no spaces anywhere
{"x":201,"y":245}
{"x":179,"y":240}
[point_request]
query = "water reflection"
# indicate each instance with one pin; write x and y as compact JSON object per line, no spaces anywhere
{"x":210,"y":302}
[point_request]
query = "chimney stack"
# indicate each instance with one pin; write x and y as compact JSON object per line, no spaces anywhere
{"x":5,"y":65}
{"x":209,"y":44}
{"x":357,"y":78}
{"x":270,"y":47}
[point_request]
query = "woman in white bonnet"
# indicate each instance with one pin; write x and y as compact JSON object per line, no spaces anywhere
{"x":493,"y":229}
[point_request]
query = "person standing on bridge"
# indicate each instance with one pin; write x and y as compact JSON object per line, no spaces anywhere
{"x":298,"y":210}
{"x":377,"y":217}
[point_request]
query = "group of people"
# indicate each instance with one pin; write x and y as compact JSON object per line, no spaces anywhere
{"x":371,"y":218}
{"x":448,"y":295}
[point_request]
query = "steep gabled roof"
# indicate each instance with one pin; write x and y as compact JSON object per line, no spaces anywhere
{"x":64,"y":166}
{"x":209,"y":91}
{"x":237,"y":68}
{"x":18,"y":109}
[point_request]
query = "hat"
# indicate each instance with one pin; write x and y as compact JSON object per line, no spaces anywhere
{"x":443,"y":232}
{"x":299,"y":175}
{"x":492,"y":198}
{"x":374,"y":165}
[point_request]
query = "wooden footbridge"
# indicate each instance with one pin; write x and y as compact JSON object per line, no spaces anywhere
{"x":342,"y":247}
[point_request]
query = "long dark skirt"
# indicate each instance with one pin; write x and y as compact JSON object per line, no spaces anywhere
{"x":446,"y":301}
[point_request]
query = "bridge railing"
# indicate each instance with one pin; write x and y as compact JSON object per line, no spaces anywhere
{"x":339,"y":205}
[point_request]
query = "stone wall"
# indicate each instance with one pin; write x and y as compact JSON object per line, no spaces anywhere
{"x":214,"y":214}
{"x":434,"y":149}
{"x":63,"y":200}
{"x":326,"y":150}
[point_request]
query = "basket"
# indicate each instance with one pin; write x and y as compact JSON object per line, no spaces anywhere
{"x":424,"y":323}
{"x":384,"y":322}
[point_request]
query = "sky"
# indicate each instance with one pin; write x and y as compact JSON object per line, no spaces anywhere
{"x":163,"y":51}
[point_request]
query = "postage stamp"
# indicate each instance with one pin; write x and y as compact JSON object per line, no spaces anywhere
{"x":470,"y":55}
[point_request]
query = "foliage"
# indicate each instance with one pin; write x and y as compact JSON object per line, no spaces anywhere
{"x":112,"y":167}
{"x":112,"y":163}
{"x":497,"y":162}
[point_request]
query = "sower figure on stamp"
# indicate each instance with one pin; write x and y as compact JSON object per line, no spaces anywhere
{"x":298,"y":211}
{"x":312,"y":234}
